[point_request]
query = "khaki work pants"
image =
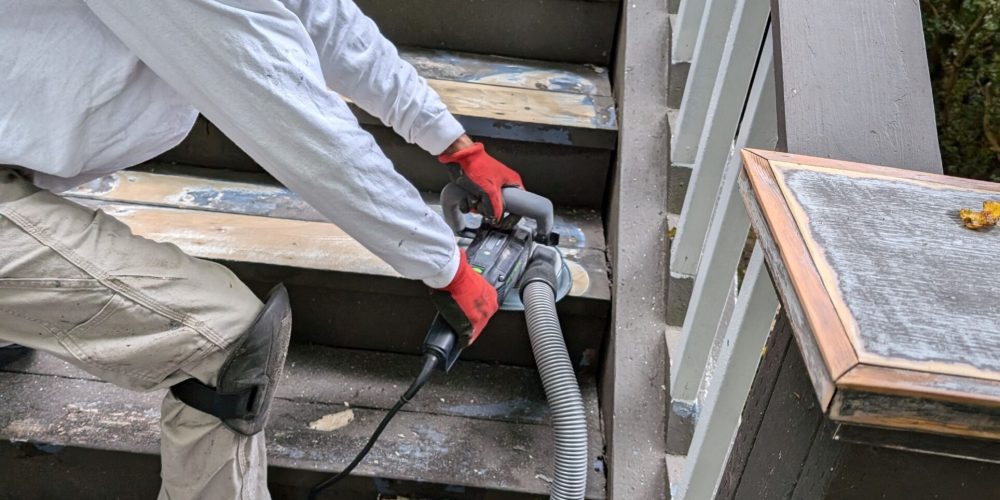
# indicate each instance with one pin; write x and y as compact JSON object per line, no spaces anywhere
{"x":77,"y":283}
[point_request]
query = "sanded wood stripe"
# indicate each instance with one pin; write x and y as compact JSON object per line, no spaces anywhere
{"x":517,"y":105}
{"x":527,"y":106}
{"x":831,"y":337}
{"x":577,"y":228}
{"x":281,"y":242}
{"x":508,"y":71}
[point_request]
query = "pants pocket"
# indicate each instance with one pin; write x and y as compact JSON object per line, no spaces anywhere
{"x":134,"y":346}
{"x":38,"y":308}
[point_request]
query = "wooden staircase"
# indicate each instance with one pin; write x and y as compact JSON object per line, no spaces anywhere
{"x":542,"y":102}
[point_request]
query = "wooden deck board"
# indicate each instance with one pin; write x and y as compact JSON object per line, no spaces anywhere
{"x":579,"y":228}
{"x":299,"y":244}
{"x":429,"y":441}
{"x":501,"y":71}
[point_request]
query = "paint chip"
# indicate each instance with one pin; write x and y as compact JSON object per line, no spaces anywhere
{"x":543,"y":477}
{"x":333,"y":421}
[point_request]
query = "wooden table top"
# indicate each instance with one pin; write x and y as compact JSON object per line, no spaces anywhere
{"x":895,"y":304}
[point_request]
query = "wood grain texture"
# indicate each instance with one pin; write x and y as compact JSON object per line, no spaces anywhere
{"x":823,"y":382}
{"x":807,"y":285}
{"x":465,"y":448}
{"x":853,"y":82}
{"x":923,"y":415}
{"x":884,"y":253}
{"x":904,"y":274}
{"x":527,"y":105}
{"x":938,"y":386}
{"x":508,"y":71}
{"x":578,"y":228}
{"x":291,"y":243}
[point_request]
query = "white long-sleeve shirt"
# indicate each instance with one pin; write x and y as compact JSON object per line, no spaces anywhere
{"x":89,"y":87}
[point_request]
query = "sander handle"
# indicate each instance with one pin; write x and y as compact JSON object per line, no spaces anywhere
{"x":456,"y":200}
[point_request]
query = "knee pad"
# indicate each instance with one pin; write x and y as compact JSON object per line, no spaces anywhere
{"x":249,"y":378}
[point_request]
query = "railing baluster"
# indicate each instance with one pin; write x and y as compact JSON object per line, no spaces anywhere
{"x":708,"y":50}
{"x":742,"y":45}
{"x":729,"y":225}
{"x":685,"y":30}
{"x":739,"y":356}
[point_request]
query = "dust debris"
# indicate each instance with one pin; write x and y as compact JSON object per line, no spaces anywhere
{"x":332,"y":421}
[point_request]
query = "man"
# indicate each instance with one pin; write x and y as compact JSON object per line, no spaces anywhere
{"x":93,"y":86}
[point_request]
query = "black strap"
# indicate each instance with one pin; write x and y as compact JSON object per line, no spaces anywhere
{"x":204,"y":398}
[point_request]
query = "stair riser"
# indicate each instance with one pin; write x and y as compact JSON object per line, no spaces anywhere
{"x":392,"y":315}
{"x":545,"y":168}
{"x":555,"y":30}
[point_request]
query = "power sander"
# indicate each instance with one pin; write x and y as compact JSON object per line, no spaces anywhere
{"x":500,"y":250}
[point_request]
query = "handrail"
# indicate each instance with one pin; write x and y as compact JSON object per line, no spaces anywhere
{"x":848,"y":79}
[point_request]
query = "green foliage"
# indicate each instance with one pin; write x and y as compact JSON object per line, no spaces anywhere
{"x":963,"y":48}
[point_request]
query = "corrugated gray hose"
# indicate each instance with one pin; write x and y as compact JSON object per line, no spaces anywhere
{"x":561,"y":389}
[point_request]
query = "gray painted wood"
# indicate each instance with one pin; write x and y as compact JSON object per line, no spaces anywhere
{"x":633,"y":392}
{"x":782,"y":445}
{"x":725,"y":240}
{"x":779,"y":341}
{"x":732,"y":86}
{"x":580,"y":31}
{"x":815,"y":466}
{"x":712,"y":36}
{"x":866,"y":472}
{"x":740,"y":354}
{"x":920,"y":442}
{"x":853,"y":82}
{"x":684,"y":31}
{"x":910,"y":273}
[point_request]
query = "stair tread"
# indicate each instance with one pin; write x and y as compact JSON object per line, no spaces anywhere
{"x":483,"y":426}
{"x":232,"y":221}
{"x":520,"y":99}
{"x":513,"y":72}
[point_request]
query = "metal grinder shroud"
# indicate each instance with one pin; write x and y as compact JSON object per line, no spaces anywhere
{"x":500,"y":251}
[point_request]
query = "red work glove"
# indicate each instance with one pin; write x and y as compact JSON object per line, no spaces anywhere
{"x":467,"y":303}
{"x":484,"y":177}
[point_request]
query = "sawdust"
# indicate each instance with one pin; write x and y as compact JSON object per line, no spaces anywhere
{"x":333,"y":421}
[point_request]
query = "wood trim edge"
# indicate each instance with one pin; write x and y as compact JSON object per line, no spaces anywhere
{"x":826,"y":324}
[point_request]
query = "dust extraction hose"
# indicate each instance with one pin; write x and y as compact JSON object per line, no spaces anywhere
{"x":569,"y":421}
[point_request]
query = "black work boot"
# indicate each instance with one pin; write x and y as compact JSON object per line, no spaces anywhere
{"x":11,"y":352}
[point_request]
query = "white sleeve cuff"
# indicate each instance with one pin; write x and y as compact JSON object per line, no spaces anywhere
{"x":447,"y":272}
{"x":435,"y":137}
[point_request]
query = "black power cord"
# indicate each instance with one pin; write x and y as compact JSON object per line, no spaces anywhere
{"x":430,"y":364}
